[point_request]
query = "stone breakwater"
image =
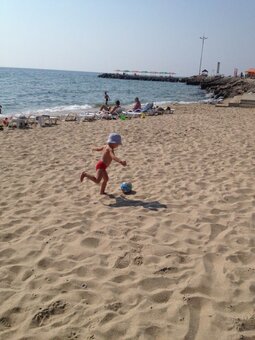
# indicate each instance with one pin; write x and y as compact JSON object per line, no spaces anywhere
{"x":228,"y":87}
{"x":140,"y":77}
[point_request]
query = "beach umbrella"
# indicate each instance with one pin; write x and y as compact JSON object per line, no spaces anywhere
{"x":251,"y":70}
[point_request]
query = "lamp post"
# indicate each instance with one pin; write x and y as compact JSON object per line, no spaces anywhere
{"x":203,"y":41}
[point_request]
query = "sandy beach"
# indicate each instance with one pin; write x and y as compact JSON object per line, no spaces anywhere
{"x":175,"y":260}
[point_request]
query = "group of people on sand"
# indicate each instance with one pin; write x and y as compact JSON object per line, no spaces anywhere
{"x":116,"y":109}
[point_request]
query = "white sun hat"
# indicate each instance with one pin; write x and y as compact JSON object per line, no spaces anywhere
{"x":114,"y":138}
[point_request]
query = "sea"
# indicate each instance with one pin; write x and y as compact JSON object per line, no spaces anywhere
{"x":54,"y":92}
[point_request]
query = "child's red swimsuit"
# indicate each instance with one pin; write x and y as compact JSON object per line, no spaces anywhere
{"x":101,"y":165}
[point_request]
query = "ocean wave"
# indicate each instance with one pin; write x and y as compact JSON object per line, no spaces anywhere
{"x":189,"y":102}
{"x":56,"y":110}
{"x":181,"y":102}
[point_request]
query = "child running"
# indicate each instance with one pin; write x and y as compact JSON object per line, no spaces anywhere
{"x":108,"y":155}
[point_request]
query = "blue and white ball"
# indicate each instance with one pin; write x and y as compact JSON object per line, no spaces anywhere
{"x":126,"y":187}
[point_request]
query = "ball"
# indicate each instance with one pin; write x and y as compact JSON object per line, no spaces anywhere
{"x":126,"y":187}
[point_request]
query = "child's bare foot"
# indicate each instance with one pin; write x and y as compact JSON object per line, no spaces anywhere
{"x":83,"y":175}
{"x":108,"y":195}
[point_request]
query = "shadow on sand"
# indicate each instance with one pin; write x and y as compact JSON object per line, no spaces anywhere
{"x":122,"y":201}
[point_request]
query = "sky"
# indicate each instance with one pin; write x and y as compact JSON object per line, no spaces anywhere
{"x":107,"y":35}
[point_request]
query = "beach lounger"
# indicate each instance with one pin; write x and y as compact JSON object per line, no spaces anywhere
{"x":139,"y":113}
{"x":147,"y":108}
{"x":106,"y":115}
{"x":20,"y":121}
{"x":71,"y":117}
{"x":32,"y":120}
{"x":42,"y":120}
{"x":132,"y":114}
{"x":46,"y":120}
{"x":87,"y":117}
{"x":168,"y":110}
{"x":54,"y":120}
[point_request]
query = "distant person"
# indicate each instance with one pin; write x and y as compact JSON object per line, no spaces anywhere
{"x":113,"y":110}
{"x":137,"y":106}
{"x":0,"y":109}
{"x":6,"y":121}
{"x":106,"y":97}
{"x":116,"y":108}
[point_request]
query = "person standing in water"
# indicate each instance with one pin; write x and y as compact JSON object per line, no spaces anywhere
{"x":106,"y":97}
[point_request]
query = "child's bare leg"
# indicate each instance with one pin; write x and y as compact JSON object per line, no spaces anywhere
{"x":96,"y":179}
{"x":83,"y":175}
{"x":104,"y":183}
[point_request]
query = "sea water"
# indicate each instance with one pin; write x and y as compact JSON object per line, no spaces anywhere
{"x":61,"y":92}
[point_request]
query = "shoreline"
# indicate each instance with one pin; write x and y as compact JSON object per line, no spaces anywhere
{"x":93,"y":109}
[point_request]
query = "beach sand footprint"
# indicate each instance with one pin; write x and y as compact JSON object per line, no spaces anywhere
{"x":114,"y":306}
{"x":138,"y":261}
{"x":166,"y":270}
{"x":4,"y":323}
{"x":122,"y":261}
{"x":91,"y":242}
{"x":54,"y":308}
{"x":108,"y":317}
{"x":162,"y":297}
{"x":215,"y":230}
{"x":243,"y":325}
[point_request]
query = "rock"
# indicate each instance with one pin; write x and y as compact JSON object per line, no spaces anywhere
{"x":228,"y":87}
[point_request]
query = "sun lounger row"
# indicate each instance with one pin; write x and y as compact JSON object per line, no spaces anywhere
{"x":91,"y":116}
{"x":21,"y":121}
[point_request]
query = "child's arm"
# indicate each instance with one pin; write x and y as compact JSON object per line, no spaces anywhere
{"x":100,"y":148}
{"x":116,"y":159}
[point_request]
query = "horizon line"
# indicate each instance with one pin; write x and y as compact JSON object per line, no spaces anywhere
{"x":47,"y":69}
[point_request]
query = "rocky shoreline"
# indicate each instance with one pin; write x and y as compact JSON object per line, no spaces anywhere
{"x":228,"y":87}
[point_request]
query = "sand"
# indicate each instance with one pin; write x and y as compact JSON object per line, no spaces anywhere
{"x":174,"y":260}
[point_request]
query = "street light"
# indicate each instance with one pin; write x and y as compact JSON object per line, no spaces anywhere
{"x":203,"y":41}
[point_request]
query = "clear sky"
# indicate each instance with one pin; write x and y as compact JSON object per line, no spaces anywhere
{"x":106,"y":35}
